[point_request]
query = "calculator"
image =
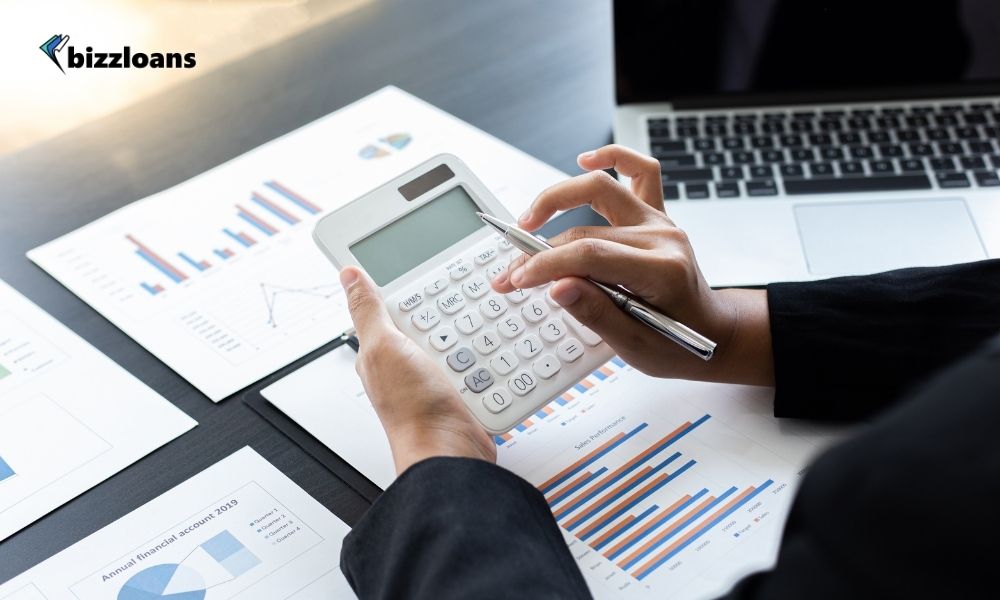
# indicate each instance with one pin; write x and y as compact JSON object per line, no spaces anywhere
{"x":419,"y":239}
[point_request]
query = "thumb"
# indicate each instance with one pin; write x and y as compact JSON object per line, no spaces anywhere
{"x":366,"y":306}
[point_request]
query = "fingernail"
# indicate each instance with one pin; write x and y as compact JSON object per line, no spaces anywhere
{"x":588,"y":154}
{"x":348,"y":277}
{"x":524,"y":218}
{"x":565,"y":295}
{"x":517,"y":276}
{"x":501,"y":278}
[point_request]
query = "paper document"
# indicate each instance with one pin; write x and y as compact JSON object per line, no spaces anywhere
{"x":671,"y":489}
{"x":69,"y":416}
{"x":239,"y":529}
{"x":219,"y":278}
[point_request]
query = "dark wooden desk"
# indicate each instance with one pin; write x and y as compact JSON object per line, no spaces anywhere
{"x":536,"y":74}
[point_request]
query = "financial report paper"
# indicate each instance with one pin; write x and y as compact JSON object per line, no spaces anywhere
{"x":69,"y":416}
{"x":219,"y":278}
{"x":239,"y":529}
{"x":662,"y":488}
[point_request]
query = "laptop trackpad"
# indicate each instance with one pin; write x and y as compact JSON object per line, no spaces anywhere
{"x":867,"y":237}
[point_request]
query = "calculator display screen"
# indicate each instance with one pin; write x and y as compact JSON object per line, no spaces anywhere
{"x":410,"y":240}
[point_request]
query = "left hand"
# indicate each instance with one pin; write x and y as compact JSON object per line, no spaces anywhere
{"x":419,"y":407}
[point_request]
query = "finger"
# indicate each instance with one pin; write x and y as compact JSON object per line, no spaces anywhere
{"x":594,"y":309}
{"x":642,"y":170}
{"x":598,"y":189}
{"x":628,"y":236}
{"x":367,"y":309}
{"x":594,"y":258}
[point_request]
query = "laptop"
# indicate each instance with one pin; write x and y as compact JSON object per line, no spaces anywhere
{"x":803,"y":140}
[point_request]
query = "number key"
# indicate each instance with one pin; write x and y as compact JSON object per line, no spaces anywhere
{"x":469,"y":322}
{"x":528,"y":346}
{"x":535,"y":311}
{"x":504,"y":363}
{"x":552,"y":330}
{"x":522,"y":383}
{"x":517,"y":296}
{"x":496,"y":400}
{"x":493,"y":307}
{"x":511,"y":327}
{"x":486,"y":343}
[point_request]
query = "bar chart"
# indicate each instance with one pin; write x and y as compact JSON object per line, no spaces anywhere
{"x":651,"y":491}
{"x":274,"y":207}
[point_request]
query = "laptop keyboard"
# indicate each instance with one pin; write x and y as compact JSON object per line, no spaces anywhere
{"x":827,"y":150}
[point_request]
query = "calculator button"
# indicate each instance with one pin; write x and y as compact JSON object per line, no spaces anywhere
{"x":476,"y":288}
{"x":496,"y":400}
{"x":493,"y":307}
{"x":504,"y":363}
{"x":486,"y":343}
{"x":504,"y":245}
{"x":585,"y":333}
{"x":511,"y":327}
{"x":460,"y":272}
{"x":517,"y":296}
{"x":550,"y":300}
{"x":443,"y":338}
{"x":461,"y":359}
{"x":425,"y":318}
{"x":436,"y":287}
{"x":535,"y":311}
{"x":410,"y":302}
{"x":469,"y":322}
{"x":479,"y":380}
{"x":546,"y":366}
{"x":522,"y":383}
{"x":528,"y":346}
{"x":570,"y":350}
{"x":451,"y":303}
{"x":486,"y":256}
{"x":552,"y":330}
{"x":495,"y":270}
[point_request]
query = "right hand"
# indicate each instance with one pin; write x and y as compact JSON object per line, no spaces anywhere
{"x":648,"y":254}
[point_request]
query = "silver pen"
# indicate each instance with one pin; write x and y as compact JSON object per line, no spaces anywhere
{"x":683,"y":335}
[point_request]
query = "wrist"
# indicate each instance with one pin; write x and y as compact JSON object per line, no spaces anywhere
{"x":744,"y":354}
{"x":412,"y":443}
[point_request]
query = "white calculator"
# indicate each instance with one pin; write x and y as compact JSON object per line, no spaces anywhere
{"x":419,"y":239}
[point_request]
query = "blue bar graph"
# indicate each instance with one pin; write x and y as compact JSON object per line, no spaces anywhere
{"x":236,"y":237}
{"x":583,"y":464}
{"x":658,"y":522}
{"x":705,"y":528}
{"x":586,"y":516}
{"x":624,"y":529}
{"x":5,"y":470}
{"x":159,"y":267}
{"x":221,"y":254}
{"x":680,"y":528}
{"x":263,"y":227}
{"x":617,"y":361}
{"x":598,"y":525}
{"x":579,"y":387}
{"x":599,"y":375}
{"x":191,"y":261}
{"x":566,"y":493}
{"x":610,"y":482}
{"x":152,"y":290}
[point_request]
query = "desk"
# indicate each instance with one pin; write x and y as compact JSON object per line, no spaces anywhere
{"x":536,"y":74}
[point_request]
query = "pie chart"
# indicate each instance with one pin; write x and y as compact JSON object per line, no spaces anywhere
{"x":152,"y":584}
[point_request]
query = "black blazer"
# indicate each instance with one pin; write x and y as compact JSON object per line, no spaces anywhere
{"x":904,"y":509}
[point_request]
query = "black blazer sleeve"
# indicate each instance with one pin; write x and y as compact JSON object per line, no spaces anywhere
{"x":848,"y":347}
{"x":460,"y":528}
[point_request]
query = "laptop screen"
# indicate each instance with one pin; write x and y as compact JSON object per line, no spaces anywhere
{"x":705,"y":52}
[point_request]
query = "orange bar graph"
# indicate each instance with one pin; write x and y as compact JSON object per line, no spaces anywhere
{"x":597,"y":524}
{"x":587,"y":384}
{"x":705,"y":523}
{"x":567,"y":396}
{"x":666,"y":532}
{"x":646,"y":528}
{"x":579,"y":518}
{"x":585,"y":458}
{"x":606,"y":371}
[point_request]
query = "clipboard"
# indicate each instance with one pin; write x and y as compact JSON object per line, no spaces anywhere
{"x":299,"y":436}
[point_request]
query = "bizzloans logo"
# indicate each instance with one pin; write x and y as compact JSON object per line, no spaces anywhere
{"x":126,"y":59}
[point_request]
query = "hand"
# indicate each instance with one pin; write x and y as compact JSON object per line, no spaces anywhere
{"x":648,"y":254}
{"x":420,"y":409}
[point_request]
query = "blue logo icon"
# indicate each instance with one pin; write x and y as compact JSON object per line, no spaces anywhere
{"x":53,"y":45}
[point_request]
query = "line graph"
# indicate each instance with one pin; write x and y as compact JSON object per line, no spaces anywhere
{"x":273,"y":292}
